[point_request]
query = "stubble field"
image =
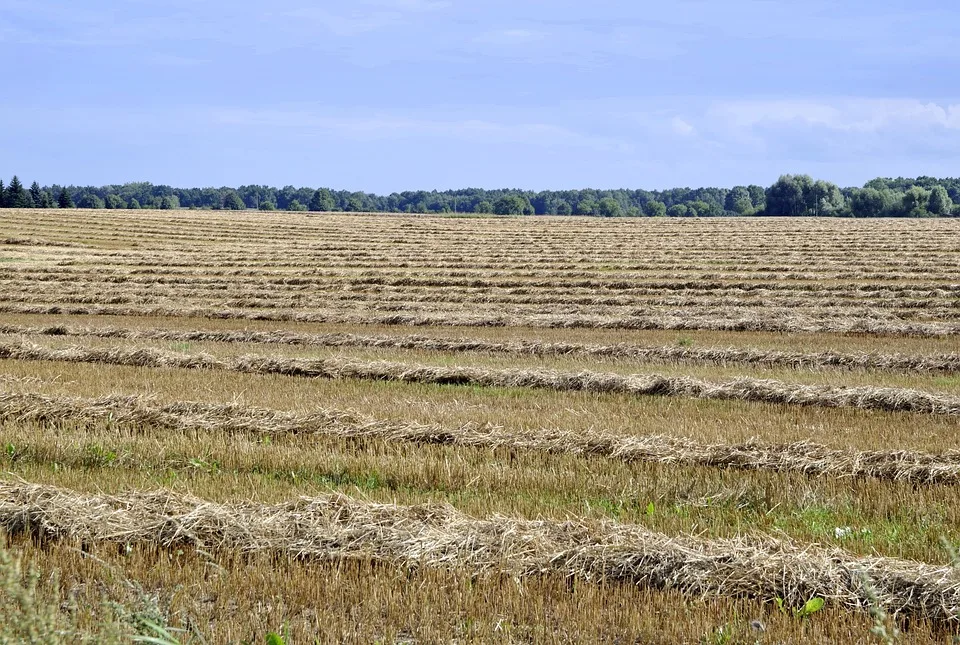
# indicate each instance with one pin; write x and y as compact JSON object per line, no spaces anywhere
{"x":372,"y":428}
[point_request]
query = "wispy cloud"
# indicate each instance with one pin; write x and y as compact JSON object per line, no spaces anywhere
{"x":510,"y":36}
{"x":392,"y":126}
{"x":173,"y":60}
{"x":861,"y":115}
{"x":682,"y":127}
{"x":356,"y":18}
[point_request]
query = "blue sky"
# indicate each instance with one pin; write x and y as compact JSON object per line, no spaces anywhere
{"x":390,"y":95}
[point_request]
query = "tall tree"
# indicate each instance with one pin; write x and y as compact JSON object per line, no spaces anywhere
{"x":655,"y":209}
{"x":37,"y":195}
{"x":169,"y":203}
{"x":17,"y":196}
{"x":758,"y":197}
{"x":608,"y":207}
{"x":939,"y":203}
{"x":824,"y":199}
{"x":785,"y":197}
{"x":90,"y":200}
{"x":232,"y":202}
{"x":867,"y":202}
{"x":64,"y":200}
{"x":322,"y":200}
{"x":512,"y":205}
{"x":915,"y":202}
{"x":738,"y":201}
{"x":586,"y":207}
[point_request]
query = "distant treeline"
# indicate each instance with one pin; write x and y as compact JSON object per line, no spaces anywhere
{"x":795,"y":195}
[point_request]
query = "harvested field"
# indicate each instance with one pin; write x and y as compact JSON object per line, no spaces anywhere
{"x":229,"y":422}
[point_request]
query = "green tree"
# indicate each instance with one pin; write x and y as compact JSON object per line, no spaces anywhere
{"x":867,"y":202}
{"x":37,"y":195}
{"x":295,"y":205}
{"x":90,"y":200}
{"x":113,"y":201}
{"x":133,"y":204}
{"x":785,"y":196}
{"x":678,"y":210}
{"x":17,"y":196}
{"x":655,"y":209}
{"x":267,"y":206}
{"x":64,"y":200}
{"x":738,"y":201}
{"x":563,"y":208}
{"x":700,"y":208}
{"x":3,"y":195}
{"x":170,"y":203}
{"x":608,"y":207}
{"x":758,"y":197}
{"x":512,"y":205}
{"x":322,"y":200}
{"x":483,"y":206}
{"x":939,"y":203}
{"x":354,"y":204}
{"x":824,"y":199}
{"x":586,"y":207}
{"x":915,"y":202}
{"x":232,"y":202}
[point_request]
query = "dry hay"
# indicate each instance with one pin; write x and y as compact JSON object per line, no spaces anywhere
{"x":888,"y":399}
{"x":336,"y":527}
{"x":803,"y":457}
{"x":720,"y":356}
{"x":724,"y":319}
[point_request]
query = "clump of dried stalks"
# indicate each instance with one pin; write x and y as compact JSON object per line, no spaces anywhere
{"x":743,"y":389}
{"x":336,"y":527}
{"x":724,"y":319}
{"x":803,"y":457}
{"x":721,"y":356}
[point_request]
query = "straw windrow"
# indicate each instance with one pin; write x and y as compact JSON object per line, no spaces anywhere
{"x":729,"y":319}
{"x":802,"y":457}
{"x":335,"y":527}
{"x":945,"y":363}
{"x":743,"y":389}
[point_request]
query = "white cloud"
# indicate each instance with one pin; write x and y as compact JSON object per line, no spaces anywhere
{"x":412,"y":5}
{"x":510,"y":37}
{"x":366,"y":16}
{"x":682,"y":127}
{"x":174,"y":60}
{"x":858,"y":115}
{"x":393,"y":126}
